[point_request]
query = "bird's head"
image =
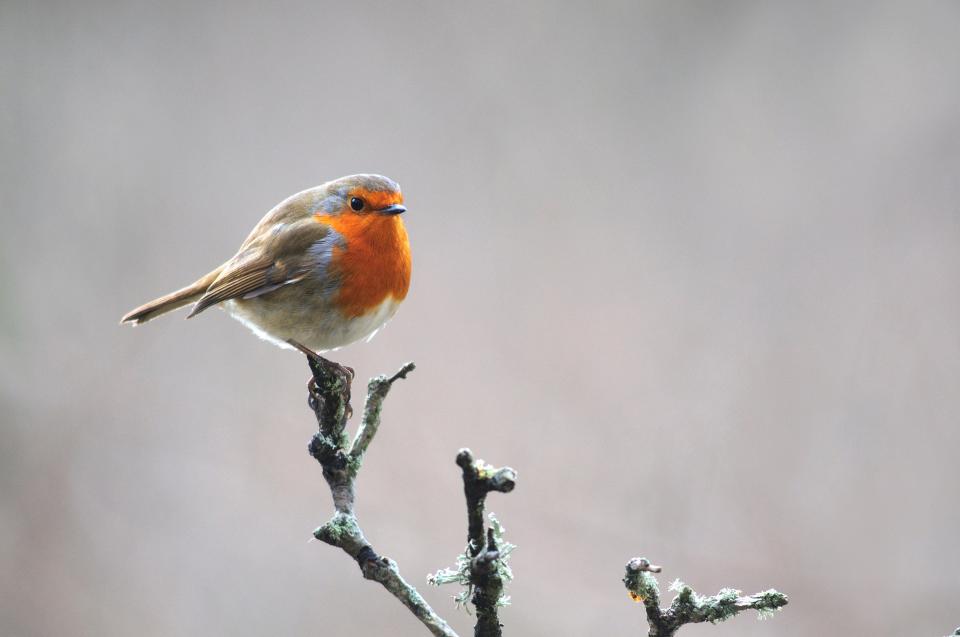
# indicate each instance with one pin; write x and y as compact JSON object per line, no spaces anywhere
{"x":361,"y":195}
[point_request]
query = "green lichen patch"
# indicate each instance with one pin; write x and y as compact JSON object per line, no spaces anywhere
{"x":459,"y":575}
{"x":462,"y":573}
{"x":642,"y":585}
{"x":340,"y":530}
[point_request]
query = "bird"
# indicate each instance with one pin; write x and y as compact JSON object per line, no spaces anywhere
{"x":324,"y":268}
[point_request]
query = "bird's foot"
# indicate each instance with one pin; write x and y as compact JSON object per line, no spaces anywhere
{"x":323,"y":363}
{"x":323,"y":367}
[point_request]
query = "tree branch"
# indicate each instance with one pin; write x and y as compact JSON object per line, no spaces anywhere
{"x":487,"y":568}
{"x":688,"y":607}
{"x":377,"y":390}
{"x":482,"y":568}
{"x":329,"y":398}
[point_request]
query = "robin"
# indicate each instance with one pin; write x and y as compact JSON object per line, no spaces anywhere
{"x":326,"y":267}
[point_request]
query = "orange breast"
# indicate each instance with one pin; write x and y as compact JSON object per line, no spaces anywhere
{"x":374,"y":265}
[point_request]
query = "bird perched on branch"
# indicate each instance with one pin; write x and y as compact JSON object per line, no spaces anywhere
{"x":326,"y":267}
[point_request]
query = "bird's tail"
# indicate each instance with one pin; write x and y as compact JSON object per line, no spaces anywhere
{"x":172,"y":301}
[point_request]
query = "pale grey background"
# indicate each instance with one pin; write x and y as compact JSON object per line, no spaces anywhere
{"x":691,"y":268}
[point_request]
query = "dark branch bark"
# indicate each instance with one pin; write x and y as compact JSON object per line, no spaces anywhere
{"x":329,"y":398}
{"x":479,"y":479}
{"x":688,"y":607}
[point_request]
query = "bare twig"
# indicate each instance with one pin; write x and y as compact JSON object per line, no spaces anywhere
{"x":688,"y":607}
{"x":330,"y":401}
{"x":377,"y":390}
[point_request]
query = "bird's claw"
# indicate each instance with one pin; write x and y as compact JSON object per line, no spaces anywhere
{"x":315,"y":397}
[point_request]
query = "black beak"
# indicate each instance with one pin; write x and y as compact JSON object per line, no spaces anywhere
{"x":394,"y":209}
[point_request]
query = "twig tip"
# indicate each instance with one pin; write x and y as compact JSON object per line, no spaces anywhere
{"x":638,"y":564}
{"x":464,"y":457}
{"x":401,"y":374}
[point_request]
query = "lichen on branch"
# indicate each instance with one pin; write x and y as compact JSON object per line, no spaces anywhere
{"x":329,"y":399}
{"x":688,"y":607}
{"x":463,"y":574}
{"x":483,"y":567}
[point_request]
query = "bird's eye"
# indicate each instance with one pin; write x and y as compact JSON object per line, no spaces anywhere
{"x":356,"y":203}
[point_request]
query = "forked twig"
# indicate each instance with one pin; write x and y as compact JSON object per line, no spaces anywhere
{"x":329,"y":398}
{"x":688,"y":607}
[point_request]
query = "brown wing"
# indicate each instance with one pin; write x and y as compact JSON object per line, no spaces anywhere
{"x":280,"y":255}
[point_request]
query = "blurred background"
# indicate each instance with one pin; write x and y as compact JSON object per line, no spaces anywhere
{"x":693,"y":269}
